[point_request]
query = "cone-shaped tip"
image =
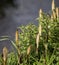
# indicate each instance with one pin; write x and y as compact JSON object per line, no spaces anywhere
{"x":16,"y":36}
{"x":28,"y":50}
{"x":5,"y":52}
{"x":40,"y":13}
{"x":53,"y":5}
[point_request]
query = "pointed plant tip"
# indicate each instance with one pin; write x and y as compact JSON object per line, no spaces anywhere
{"x":28,"y":50}
{"x":5,"y":49}
{"x":17,"y":37}
{"x":53,"y":5}
{"x":5,"y":52}
{"x":40,"y":13}
{"x":40,"y":10}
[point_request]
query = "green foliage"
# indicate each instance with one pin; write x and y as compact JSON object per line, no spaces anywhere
{"x":50,"y":29}
{"x":12,"y":59}
{"x":48,"y":50}
{"x":27,"y":36}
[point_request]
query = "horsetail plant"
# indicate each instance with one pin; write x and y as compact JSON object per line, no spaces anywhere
{"x":28,"y":50}
{"x":28,"y":53}
{"x":53,"y":9}
{"x":39,"y":32}
{"x":53,"y":5}
{"x":17,"y":37}
{"x":45,"y":37}
{"x":17,"y":44}
{"x":5,"y":53}
{"x":40,"y":13}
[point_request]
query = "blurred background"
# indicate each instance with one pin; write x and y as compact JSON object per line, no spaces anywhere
{"x":14,"y":13}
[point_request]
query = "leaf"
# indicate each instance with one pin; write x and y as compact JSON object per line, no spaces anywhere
{"x":13,"y":44}
{"x":4,"y":39}
{"x":51,"y":59}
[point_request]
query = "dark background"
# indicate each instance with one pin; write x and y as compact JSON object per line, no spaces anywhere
{"x":26,"y":11}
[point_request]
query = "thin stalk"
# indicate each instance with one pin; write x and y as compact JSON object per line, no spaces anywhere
{"x":5,"y":52}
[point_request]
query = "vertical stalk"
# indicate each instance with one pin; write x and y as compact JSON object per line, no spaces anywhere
{"x":53,"y":5}
{"x":28,"y":53}
{"x":53,"y":9}
{"x":18,"y":55}
{"x":17,"y":37}
{"x":17,"y":44}
{"x":5,"y":52}
{"x":37,"y":43}
{"x":18,"y":59}
{"x":39,"y":32}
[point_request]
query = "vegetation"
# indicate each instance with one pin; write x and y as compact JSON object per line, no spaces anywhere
{"x":35,"y":45}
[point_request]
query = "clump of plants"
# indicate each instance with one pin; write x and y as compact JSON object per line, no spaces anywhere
{"x":36,"y":45}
